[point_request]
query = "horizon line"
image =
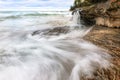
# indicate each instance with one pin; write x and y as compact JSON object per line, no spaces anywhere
{"x":34,"y":9}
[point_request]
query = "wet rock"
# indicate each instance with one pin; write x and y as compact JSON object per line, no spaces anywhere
{"x":53,"y":31}
{"x":109,"y":40}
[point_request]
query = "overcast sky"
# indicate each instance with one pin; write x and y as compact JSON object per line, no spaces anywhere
{"x":35,"y":4}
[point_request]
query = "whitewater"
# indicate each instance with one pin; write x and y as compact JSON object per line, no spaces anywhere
{"x":47,"y":46}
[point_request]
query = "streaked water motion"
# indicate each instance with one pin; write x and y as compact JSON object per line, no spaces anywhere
{"x":66,"y":56}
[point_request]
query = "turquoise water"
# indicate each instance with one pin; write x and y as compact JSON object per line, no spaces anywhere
{"x":17,"y":14}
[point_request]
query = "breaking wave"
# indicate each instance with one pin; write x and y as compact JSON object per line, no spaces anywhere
{"x":57,"y":53}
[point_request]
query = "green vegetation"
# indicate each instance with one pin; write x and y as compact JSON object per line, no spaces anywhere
{"x":81,"y":3}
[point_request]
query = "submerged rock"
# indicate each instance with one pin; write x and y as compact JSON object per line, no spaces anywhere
{"x":53,"y":31}
{"x":102,"y":12}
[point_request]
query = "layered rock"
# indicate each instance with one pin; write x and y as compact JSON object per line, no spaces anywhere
{"x":102,"y":12}
{"x":108,"y":39}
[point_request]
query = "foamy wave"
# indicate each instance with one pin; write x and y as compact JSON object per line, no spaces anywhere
{"x":23,"y":58}
{"x":12,"y":14}
{"x":49,"y":53}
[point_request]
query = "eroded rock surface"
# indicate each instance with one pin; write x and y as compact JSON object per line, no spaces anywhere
{"x":108,"y":39}
{"x":103,"y":12}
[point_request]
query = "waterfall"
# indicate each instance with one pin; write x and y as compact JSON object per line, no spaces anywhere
{"x":76,"y":17}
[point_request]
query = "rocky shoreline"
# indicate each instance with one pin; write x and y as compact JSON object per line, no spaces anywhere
{"x":105,"y":15}
{"x":103,"y":37}
{"x":109,"y":40}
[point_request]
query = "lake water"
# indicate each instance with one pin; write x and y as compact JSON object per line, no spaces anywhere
{"x":66,"y":56}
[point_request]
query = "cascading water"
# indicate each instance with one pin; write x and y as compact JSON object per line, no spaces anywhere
{"x":76,"y":18}
{"x":49,"y":54}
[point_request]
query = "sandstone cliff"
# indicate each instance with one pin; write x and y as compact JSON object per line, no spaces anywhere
{"x":105,"y":13}
{"x":102,"y":12}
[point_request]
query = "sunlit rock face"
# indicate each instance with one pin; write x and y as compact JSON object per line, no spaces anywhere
{"x":103,"y":12}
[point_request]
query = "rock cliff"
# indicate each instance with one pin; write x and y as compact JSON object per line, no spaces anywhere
{"x":102,"y":12}
{"x":105,"y":14}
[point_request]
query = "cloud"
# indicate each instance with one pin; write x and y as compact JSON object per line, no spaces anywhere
{"x":35,"y":3}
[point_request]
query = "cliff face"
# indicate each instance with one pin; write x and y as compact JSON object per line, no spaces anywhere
{"x":103,"y":12}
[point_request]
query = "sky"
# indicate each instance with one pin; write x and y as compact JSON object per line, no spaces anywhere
{"x":35,"y":4}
